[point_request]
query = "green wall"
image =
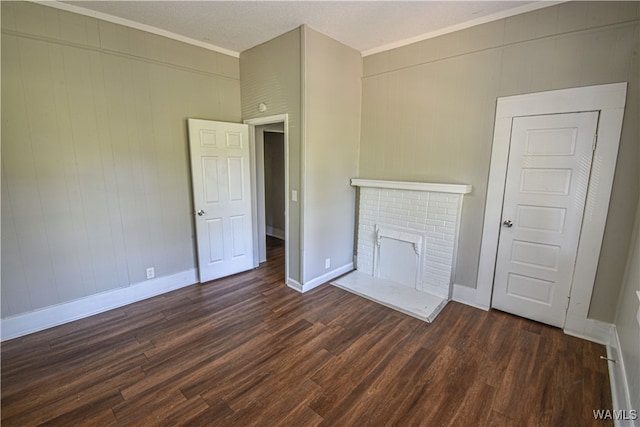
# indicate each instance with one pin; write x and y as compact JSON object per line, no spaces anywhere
{"x":95,"y":171}
{"x":428,"y":111}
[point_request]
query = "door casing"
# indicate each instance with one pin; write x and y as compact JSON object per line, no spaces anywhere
{"x":609,"y":100}
{"x":253,"y":123}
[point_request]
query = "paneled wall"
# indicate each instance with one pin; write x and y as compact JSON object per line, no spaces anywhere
{"x":428,"y":111}
{"x":95,"y":176}
{"x":271,"y":74}
{"x":628,"y":317}
{"x":332,"y":97}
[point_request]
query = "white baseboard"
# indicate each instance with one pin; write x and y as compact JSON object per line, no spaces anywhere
{"x":38,"y":320}
{"x":466,"y":295}
{"x":294,"y":284}
{"x":620,"y":396}
{"x":274,"y":232}
{"x":314,"y":283}
{"x":606,"y":334}
{"x":589,"y":329}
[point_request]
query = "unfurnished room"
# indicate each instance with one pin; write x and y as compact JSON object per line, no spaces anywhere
{"x":336,"y":213}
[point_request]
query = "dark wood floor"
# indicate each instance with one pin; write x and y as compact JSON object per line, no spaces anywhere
{"x":247,"y":350}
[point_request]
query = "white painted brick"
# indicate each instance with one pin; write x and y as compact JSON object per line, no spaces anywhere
{"x":439,"y":255}
{"x":441,"y":243}
{"x":399,"y":211}
{"x":436,"y":272}
{"x":445,"y":230}
{"x":447,"y":206}
{"x":416,"y":226}
{"x":435,"y":222}
{"x":433,"y":215}
{"x":399,"y":223}
{"x":435,"y":236}
{"x":450,"y":225}
{"x":406,"y":205}
{"x":390,"y":216}
{"x":412,"y":195}
{"x":443,"y":217}
{"x":438,"y":197}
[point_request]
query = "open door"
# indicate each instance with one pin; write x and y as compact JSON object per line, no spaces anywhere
{"x":221,"y":180}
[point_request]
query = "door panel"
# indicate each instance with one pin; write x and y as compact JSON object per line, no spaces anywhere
{"x":222,"y":197}
{"x":546,"y":185}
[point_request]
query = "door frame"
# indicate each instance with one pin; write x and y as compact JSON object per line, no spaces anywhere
{"x":609,"y":100}
{"x":253,"y":123}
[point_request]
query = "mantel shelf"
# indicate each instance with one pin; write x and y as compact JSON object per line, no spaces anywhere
{"x":415,"y":186}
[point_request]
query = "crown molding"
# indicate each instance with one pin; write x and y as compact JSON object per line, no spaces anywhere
{"x":136,"y":25}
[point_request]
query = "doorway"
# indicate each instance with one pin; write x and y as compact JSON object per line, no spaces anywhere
{"x":270,"y":182}
{"x":274,"y":194}
{"x":609,"y":101}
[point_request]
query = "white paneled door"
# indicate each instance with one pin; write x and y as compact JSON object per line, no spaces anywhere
{"x":546,"y":186}
{"x":221,"y":179}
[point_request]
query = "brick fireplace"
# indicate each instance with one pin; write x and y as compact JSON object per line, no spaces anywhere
{"x":406,"y":244}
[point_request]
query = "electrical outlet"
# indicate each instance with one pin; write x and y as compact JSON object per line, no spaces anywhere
{"x":151,"y":273}
{"x":327,"y":263}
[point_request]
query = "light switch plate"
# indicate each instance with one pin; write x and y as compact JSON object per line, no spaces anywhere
{"x":294,"y":195}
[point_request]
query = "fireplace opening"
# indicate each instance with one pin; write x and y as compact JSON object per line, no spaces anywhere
{"x":398,"y":262}
{"x":397,"y":256}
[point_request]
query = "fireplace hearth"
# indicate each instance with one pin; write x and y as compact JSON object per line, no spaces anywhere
{"x":406,"y":244}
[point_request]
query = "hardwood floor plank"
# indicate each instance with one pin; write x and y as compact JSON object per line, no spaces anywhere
{"x":247,"y":350}
{"x":475,"y":408}
{"x":513,"y":388}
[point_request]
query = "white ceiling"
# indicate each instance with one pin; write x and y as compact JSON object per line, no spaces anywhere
{"x":367,"y":26}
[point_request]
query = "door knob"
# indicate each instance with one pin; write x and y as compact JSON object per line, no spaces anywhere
{"x":200,"y":212}
{"x":507,"y":223}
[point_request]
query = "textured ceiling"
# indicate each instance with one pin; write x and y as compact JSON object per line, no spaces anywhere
{"x":367,"y":26}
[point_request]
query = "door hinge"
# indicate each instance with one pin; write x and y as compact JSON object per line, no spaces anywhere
{"x":567,"y":305}
{"x":595,"y":142}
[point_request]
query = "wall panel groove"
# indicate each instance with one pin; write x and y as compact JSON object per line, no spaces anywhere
{"x":95,"y":177}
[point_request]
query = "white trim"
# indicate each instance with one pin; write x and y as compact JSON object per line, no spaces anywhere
{"x":607,"y":335}
{"x":258,"y":121}
{"x":413,"y":186}
{"x":466,"y":295}
{"x":320,"y":280}
{"x":609,"y":99}
{"x":275,"y":232}
{"x":136,"y":25}
{"x":294,"y":284}
{"x":38,"y":320}
{"x":468,"y":24}
{"x":209,"y":46}
{"x":592,"y":330}
{"x":620,"y":395}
